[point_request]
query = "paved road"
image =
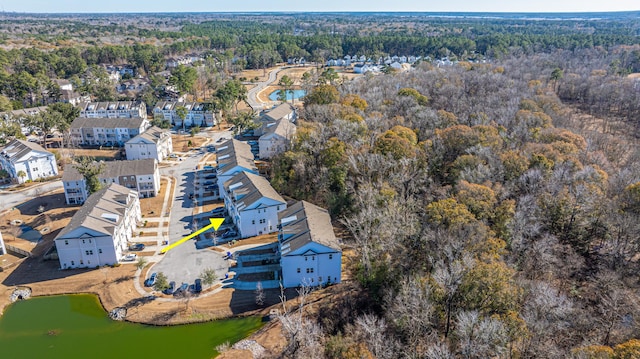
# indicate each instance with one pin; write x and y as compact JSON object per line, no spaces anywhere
{"x":252,"y":94}
{"x":185,"y":263}
{"x":9,"y":200}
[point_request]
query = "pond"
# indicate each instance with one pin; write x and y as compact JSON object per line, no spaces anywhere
{"x":296,"y":95}
{"x":72,"y":326}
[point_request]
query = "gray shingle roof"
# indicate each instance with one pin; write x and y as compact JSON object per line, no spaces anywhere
{"x":279,"y":112}
{"x":308,"y":223}
{"x":282,"y":127}
{"x":109,"y":200}
{"x":82,"y":122}
{"x":153,"y":134}
{"x":18,"y":148}
{"x":233,"y":153}
{"x":253,"y":187}
{"x":114,"y":169}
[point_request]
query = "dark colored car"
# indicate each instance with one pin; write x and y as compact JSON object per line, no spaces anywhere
{"x":151,"y":280}
{"x":230,"y":234}
{"x":136,"y":247}
{"x":219,"y":210}
{"x":181,"y":291}
{"x":197,"y":286}
{"x":172,"y":287}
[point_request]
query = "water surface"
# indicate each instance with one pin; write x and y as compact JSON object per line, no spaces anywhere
{"x":75,"y":326}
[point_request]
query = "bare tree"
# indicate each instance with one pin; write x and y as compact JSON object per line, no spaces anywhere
{"x":260,"y":296}
{"x":303,"y":336}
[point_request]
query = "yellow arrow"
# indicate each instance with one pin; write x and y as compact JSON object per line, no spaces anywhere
{"x":215,"y":224}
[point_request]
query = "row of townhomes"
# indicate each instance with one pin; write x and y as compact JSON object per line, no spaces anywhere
{"x":106,"y":131}
{"x":27,"y":161}
{"x":233,"y":157}
{"x":142,"y":176}
{"x":115,"y":109}
{"x":197,"y":113}
{"x":97,"y":234}
{"x":153,"y":143}
{"x":309,"y":251}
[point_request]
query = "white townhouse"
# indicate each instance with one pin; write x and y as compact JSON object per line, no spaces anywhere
{"x":98,"y":233}
{"x":309,"y":250}
{"x":198,"y":113}
{"x":114,"y":109}
{"x":22,"y":156}
{"x":233,"y":157}
{"x":106,"y":131}
{"x":253,"y":204}
{"x":142,"y":176}
{"x":283,"y":111}
{"x":276,"y":138}
{"x":153,"y":143}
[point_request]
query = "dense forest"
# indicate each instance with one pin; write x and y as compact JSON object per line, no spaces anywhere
{"x":480,"y":227}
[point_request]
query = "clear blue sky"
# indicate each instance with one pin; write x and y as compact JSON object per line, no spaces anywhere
{"x":116,"y":6}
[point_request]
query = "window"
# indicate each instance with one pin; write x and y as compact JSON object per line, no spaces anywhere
{"x":89,"y":252}
{"x":313,"y":258}
{"x":298,"y":270}
{"x":330,"y":256}
{"x":83,"y":241}
{"x":66,"y":242}
{"x":73,"y":263}
{"x":311,"y":270}
{"x":306,"y":259}
{"x":320,"y":279}
{"x":99,"y":250}
{"x":308,"y":270}
{"x":253,"y":221}
{"x":81,"y":262}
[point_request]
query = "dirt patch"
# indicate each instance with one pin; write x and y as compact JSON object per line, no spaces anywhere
{"x":106,"y":154}
{"x":152,"y":206}
{"x":46,"y":214}
{"x":181,"y":142}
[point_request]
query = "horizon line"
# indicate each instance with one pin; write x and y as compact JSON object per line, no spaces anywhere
{"x":323,"y":12}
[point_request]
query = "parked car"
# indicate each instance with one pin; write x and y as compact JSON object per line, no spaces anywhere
{"x":172,"y":287}
{"x":181,"y":291}
{"x":136,"y":247}
{"x":230,"y":234}
{"x":151,"y":280}
{"x":208,"y":183}
{"x":130,"y":257}
{"x":197,"y":286}
{"x":219,"y":210}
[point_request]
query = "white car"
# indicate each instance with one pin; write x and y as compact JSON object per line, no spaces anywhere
{"x":130,"y":257}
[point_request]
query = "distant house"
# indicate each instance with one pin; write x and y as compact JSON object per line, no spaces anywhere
{"x":64,"y":84}
{"x":252,"y":204}
{"x":233,"y":157}
{"x":276,"y":138}
{"x":106,"y":131}
{"x":309,"y":250}
{"x":153,"y":143}
{"x":98,"y":233}
{"x":141,"y":176}
{"x":132,"y":86}
{"x":22,"y":156}
{"x":72,"y":97}
{"x":197,"y":113}
{"x":115,"y":109}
